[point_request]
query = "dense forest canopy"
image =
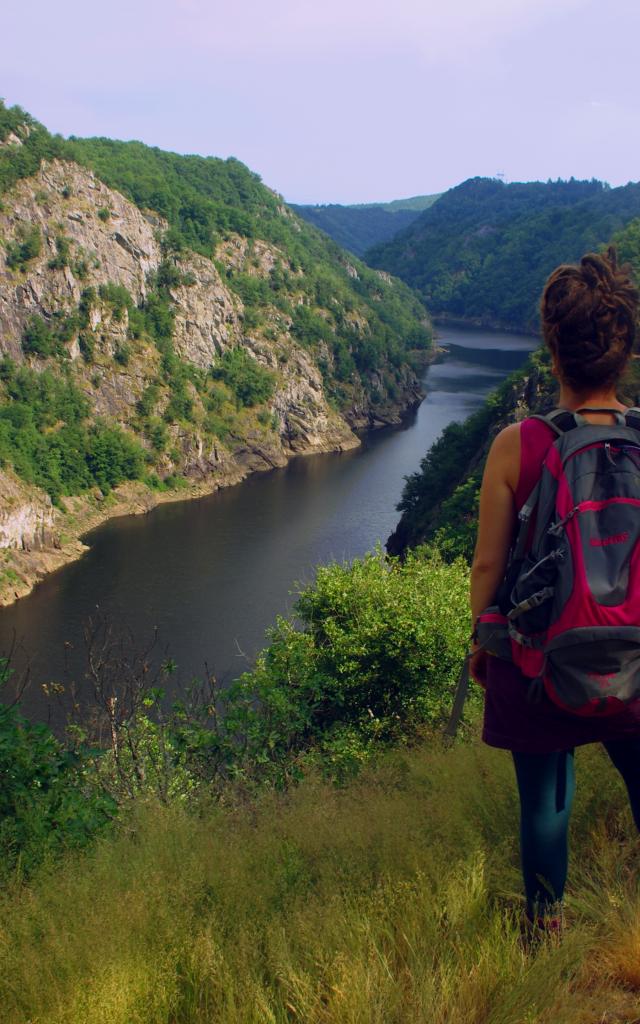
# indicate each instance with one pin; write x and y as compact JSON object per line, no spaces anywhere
{"x":363,"y":225}
{"x":483,"y":251}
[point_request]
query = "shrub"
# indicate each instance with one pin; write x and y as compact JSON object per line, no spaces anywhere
{"x":37,"y":338}
{"x":26,"y":248}
{"x":61,"y":258}
{"x":46,"y":803}
{"x":377,"y":658}
{"x":251,"y":383}
{"x":122,"y":355}
{"x":112,"y":457}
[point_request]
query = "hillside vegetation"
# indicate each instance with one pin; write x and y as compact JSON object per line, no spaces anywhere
{"x":484,"y":250}
{"x":288,"y":285}
{"x":363,"y":225}
{"x":167,"y":322}
{"x":440,"y":500}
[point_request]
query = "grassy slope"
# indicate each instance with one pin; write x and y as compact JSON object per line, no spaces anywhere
{"x":392,"y":901}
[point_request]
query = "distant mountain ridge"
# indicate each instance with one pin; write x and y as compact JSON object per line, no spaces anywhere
{"x":484,"y":250}
{"x":359,"y":226}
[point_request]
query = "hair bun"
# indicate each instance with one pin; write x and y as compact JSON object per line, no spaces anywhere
{"x":588,"y":319}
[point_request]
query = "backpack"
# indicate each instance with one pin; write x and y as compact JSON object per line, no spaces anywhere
{"x":568,"y":611}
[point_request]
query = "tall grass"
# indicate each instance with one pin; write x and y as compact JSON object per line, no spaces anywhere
{"x":394,"y":900}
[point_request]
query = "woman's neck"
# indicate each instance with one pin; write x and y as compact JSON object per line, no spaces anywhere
{"x":605,"y":398}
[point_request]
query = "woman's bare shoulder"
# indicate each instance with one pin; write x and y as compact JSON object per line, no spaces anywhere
{"x":507,"y":442}
{"x":504,"y":454}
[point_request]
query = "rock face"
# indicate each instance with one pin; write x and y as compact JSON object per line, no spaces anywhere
{"x":87,"y":237}
{"x":110,"y":241}
{"x":26,"y":516}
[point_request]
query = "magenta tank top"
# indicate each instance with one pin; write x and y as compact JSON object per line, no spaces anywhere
{"x":535,"y":440}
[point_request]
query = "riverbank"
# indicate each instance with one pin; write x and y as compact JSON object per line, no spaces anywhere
{"x":37,"y":538}
{"x":481,"y":324}
{"x":64,"y":538}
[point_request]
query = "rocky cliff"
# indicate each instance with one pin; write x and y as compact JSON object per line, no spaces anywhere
{"x":86,"y":277}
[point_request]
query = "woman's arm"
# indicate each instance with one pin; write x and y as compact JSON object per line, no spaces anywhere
{"x":496,"y":521}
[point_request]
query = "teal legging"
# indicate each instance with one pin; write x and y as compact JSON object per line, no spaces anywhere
{"x":546,"y":783}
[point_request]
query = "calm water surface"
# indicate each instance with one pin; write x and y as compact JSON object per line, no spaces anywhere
{"x":212,"y":574}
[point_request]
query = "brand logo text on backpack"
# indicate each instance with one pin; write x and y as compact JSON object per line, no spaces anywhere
{"x":602,"y":542}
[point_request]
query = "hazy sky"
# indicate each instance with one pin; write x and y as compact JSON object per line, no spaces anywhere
{"x":343,"y":100}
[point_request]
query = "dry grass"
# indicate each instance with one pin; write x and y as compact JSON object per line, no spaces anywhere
{"x":394,"y":901}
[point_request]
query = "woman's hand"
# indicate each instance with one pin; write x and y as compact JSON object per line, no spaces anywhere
{"x":478,"y":665}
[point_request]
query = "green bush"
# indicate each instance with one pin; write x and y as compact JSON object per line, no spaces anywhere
{"x":37,"y":338}
{"x":45,"y":437}
{"x":47,"y":801}
{"x":251,"y":383}
{"x":61,"y":258}
{"x":26,"y":248}
{"x":375,"y":656}
{"x":112,"y":456}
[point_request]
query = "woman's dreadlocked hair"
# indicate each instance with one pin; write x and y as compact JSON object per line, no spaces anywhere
{"x":589,"y":319}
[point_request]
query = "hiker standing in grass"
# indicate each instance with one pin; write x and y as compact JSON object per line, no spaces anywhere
{"x":556,"y":602}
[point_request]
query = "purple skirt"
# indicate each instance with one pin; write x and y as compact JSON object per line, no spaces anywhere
{"x":513,"y":722}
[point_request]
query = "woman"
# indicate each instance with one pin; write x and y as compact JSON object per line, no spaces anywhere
{"x":588,"y":322}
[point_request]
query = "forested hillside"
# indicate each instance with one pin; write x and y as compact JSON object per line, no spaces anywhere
{"x":359,"y":227}
{"x":168,"y":320}
{"x":484,"y":250}
{"x":440,"y":501}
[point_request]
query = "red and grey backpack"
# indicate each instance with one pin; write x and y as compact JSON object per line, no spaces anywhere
{"x":568,"y":611}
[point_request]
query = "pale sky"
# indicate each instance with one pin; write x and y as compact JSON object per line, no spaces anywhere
{"x":343,"y":100}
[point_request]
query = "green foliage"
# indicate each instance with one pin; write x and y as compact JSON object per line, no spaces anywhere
{"x":389,"y":901}
{"x":439,"y":500}
{"x":485,"y":248}
{"x":374,"y":658}
{"x":308,"y":327}
{"x":42,"y":338}
{"x":122,"y":355}
{"x":37,"y":338}
{"x":47,"y":801}
{"x":104,"y":213}
{"x":45,"y":436}
{"x":251,"y":383}
{"x":26,"y":248}
{"x":18,"y":162}
{"x":112,"y":456}
{"x":357,"y":228}
{"x":117,"y":298}
{"x":627,"y":243}
{"x":62,"y":256}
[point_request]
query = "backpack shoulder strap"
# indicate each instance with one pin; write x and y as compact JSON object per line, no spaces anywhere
{"x":559,"y":420}
{"x":620,"y":417}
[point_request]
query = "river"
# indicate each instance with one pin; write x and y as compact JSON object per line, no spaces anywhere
{"x":212,"y":574}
